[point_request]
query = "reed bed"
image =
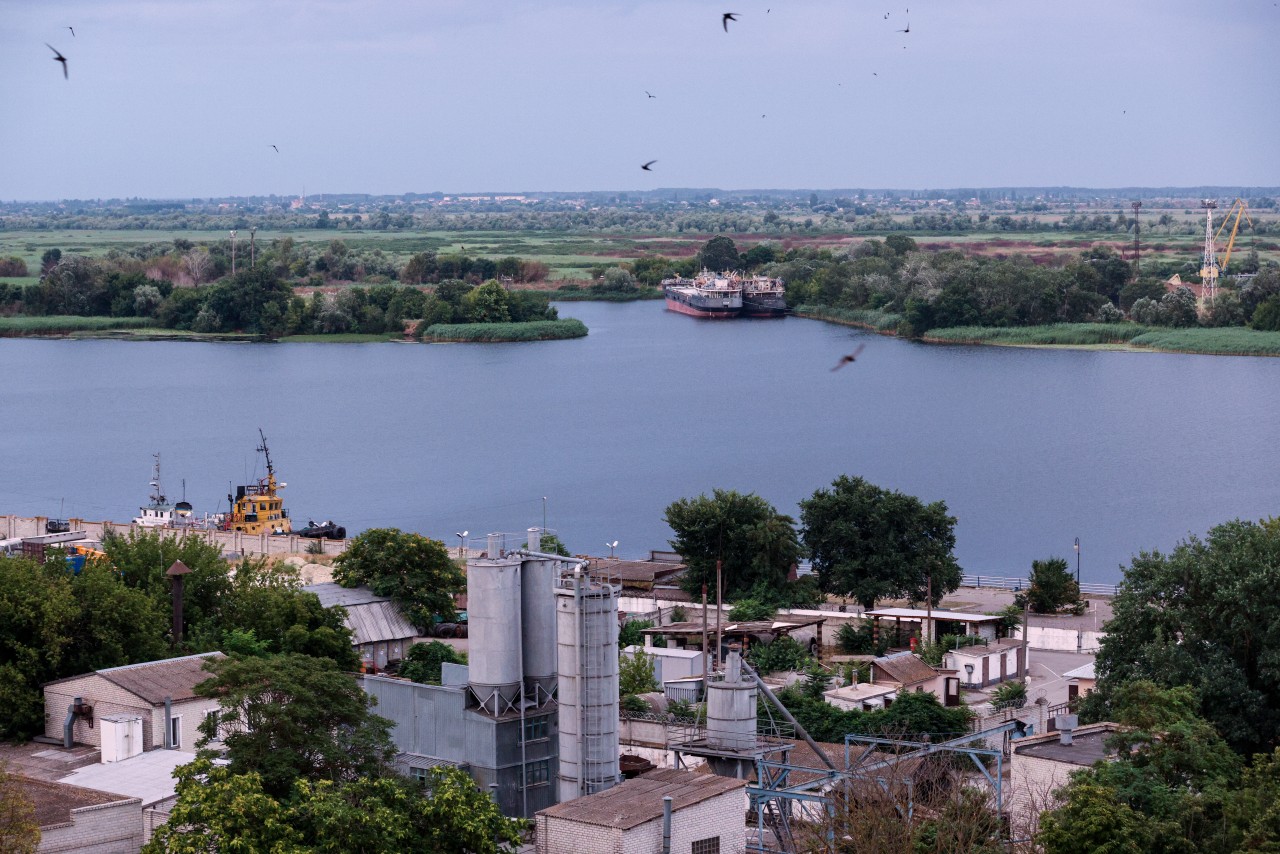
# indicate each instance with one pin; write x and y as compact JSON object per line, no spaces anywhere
{"x":870,"y":318}
{"x":537,"y":330}
{"x":60,"y":324}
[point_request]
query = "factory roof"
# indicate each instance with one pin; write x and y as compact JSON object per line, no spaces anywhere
{"x":152,"y":681}
{"x":935,"y":614}
{"x":371,"y":618}
{"x":642,"y":574}
{"x":147,"y":776}
{"x":1088,"y":745}
{"x":905,"y":667}
{"x":777,"y":627}
{"x":639,"y":800}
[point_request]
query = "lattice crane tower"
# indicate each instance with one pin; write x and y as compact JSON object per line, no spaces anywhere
{"x":1209,"y":268}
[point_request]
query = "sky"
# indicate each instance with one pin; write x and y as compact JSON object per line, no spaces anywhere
{"x":184,"y":98}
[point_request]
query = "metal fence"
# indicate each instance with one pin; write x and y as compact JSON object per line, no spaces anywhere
{"x":1004,"y":582}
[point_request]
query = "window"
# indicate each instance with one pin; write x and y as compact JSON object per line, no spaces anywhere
{"x":419,"y":774}
{"x":175,"y":732}
{"x":539,"y":773}
{"x":211,"y":719}
{"x":710,"y":845}
{"x":536,"y":728}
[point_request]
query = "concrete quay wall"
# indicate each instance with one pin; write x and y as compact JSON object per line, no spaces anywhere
{"x":229,"y":541}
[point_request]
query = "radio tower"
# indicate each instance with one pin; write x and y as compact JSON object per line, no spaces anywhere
{"x":1209,"y":268}
{"x":1136,"y":248}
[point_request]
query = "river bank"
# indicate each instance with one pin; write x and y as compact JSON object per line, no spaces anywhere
{"x":1127,"y":337}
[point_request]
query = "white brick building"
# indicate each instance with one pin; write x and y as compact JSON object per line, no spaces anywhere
{"x":134,"y":690}
{"x":708,"y":816}
{"x":1041,"y":765}
{"x":84,"y":820}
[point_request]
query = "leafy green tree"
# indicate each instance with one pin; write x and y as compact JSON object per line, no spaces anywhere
{"x":1052,"y":586}
{"x":1093,"y":821}
{"x":219,"y":809}
{"x":424,"y":662}
{"x":488,"y":303}
{"x":415,"y":571}
{"x":636,"y":674}
{"x":1205,"y":615}
{"x":756,"y":544}
{"x":38,"y":614}
{"x":632,"y":633}
{"x":19,"y":830}
{"x":1267,"y":315}
{"x":290,"y":717}
{"x":872,"y":543}
{"x":116,"y":624}
{"x":719,"y":254}
{"x":254,"y":300}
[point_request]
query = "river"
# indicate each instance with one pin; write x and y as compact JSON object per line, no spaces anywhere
{"x":1029,"y":448}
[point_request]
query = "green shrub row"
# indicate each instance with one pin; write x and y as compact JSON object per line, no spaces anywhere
{"x":1235,"y":340}
{"x":873,"y":318}
{"x":538,"y":330}
{"x":68,"y":323}
{"x":1054,"y":333}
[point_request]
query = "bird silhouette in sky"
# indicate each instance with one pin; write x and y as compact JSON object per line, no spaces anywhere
{"x":646,"y":166}
{"x":850,"y":358}
{"x":58,"y":57}
{"x":908,"y":29}
{"x":73,"y":31}
{"x":277,"y":150}
{"x":726,"y":18}
{"x":646,"y":91}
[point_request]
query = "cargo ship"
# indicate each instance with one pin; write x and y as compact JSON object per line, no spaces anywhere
{"x":705,"y":295}
{"x":763,"y":296}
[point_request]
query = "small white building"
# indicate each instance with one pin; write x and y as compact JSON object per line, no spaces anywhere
{"x":1081,"y":681}
{"x":126,"y":706}
{"x":708,"y":816}
{"x":986,"y":664}
{"x":670,"y":663}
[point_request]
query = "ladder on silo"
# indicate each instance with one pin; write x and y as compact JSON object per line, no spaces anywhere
{"x":592,"y":637}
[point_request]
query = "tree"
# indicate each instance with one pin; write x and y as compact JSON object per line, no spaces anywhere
{"x":292,"y":716}
{"x":415,"y":571}
{"x":636,"y":674}
{"x":755,"y":543}
{"x":1205,"y":615}
{"x":1052,"y":586}
{"x":1093,"y":821}
{"x":220,"y":810}
{"x":38,"y":612}
{"x":487,"y":304}
{"x":871,"y":543}
{"x":719,"y":254}
{"x":424,"y":662}
{"x":19,"y":830}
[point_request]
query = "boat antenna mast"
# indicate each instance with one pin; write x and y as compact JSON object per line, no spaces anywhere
{"x":271,"y":472}
{"x":157,"y":494}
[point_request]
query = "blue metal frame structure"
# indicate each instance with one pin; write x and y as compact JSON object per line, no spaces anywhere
{"x":773,"y":796}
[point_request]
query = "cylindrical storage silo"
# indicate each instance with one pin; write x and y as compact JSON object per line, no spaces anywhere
{"x":538,"y":628}
{"x":587,"y":661}
{"x":495,"y":663}
{"x":731,"y":709}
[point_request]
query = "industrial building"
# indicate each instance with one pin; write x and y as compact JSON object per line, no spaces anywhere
{"x":533,"y":716}
{"x":380,"y":632}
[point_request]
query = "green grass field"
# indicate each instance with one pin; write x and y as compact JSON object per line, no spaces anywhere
{"x":60,"y":324}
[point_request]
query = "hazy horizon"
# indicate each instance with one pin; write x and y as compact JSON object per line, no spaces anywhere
{"x":186,"y":100}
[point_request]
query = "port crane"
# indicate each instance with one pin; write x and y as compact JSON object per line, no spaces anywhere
{"x":1210,"y":268}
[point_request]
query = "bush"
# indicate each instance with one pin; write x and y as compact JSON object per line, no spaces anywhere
{"x":784,"y":653}
{"x":537,"y":330}
{"x":860,"y":640}
{"x":1052,"y":586}
{"x":425,"y":661}
{"x":1009,"y":695}
{"x":748,"y":610}
{"x":631,"y":633}
{"x":636,"y":674}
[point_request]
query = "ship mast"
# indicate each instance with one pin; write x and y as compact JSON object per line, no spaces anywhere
{"x":157,"y":494}
{"x":271,"y":472}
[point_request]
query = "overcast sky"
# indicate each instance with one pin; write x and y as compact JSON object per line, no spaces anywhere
{"x":185,"y":99}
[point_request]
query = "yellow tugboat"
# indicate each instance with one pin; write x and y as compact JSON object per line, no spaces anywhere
{"x":256,"y":507}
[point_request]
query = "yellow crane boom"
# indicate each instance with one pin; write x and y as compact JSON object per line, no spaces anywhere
{"x":1241,"y":209}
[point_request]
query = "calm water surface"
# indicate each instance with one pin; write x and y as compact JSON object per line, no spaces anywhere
{"x":1029,"y":448}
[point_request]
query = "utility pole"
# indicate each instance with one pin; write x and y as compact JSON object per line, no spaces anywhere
{"x":233,"y":252}
{"x":252,"y":255}
{"x":719,"y":610}
{"x":1137,"y":249}
{"x":704,"y":635}
{"x":1026,"y":630}
{"x":928,"y":604}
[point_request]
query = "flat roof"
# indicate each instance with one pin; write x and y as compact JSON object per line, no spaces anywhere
{"x":753,"y":626}
{"x":147,"y":776}
{"x":55,"y":801}
{"x":936,"y":614}
{"x":639,"y":800}
{"x":1086,"y":747}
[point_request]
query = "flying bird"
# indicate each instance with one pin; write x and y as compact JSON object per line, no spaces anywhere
{"x":908,"y":29}
{"x":646,"y":166}
{"x":277,"y":150}
{"x":58,"y":57}
{"x":852,"y":357}
{"x":726,"y":18}
{"x":646,"y":91}
{"x":73,"y":31}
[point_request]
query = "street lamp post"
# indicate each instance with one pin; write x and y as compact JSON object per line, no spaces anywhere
{"x":1077,"y":562}
{"x":462,"y":543}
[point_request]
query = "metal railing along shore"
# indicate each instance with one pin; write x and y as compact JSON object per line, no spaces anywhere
{"x":1003,"y":582}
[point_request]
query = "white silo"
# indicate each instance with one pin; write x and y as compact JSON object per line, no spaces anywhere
{"x":731,"y":708}
{"x":587,"y":656}
{"x":495,"y":662}
{"x":538,"y":627}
